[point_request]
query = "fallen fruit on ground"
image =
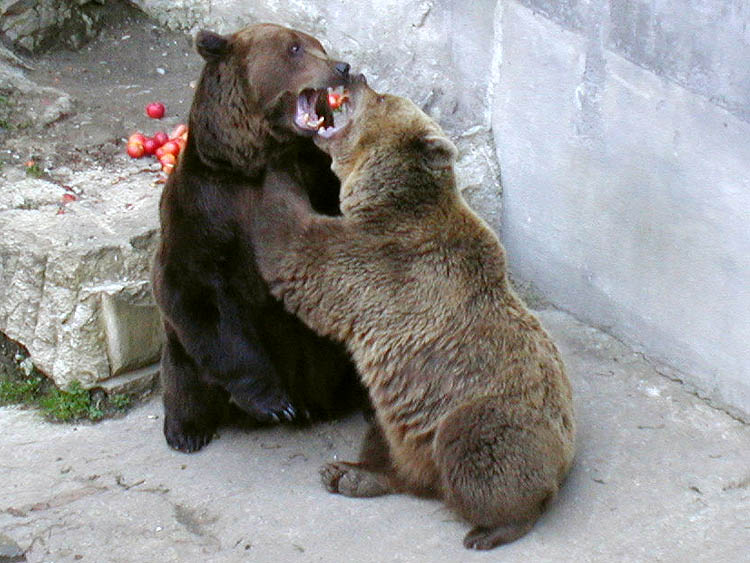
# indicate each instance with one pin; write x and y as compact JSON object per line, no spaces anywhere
{"x":135,"y":150}
{"x":160,"y":137}
{"x":155,"y":110}
{"x":150,"y":145}
{"x":137,"y":138}
{"x":160,"y":145}
{"x":170,"y":147}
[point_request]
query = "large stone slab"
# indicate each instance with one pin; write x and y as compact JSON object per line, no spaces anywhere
{"x":75,"y":275}
{"x":35,"y":25}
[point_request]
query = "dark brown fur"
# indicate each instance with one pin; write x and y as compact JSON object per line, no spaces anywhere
{"x":226,"y":337}
{"x":471,"y":399}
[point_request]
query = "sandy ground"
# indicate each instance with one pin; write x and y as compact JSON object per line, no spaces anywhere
{"x":659,"y":476}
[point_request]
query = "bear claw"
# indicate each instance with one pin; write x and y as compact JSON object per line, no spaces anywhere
{"x":188,"y":442}
{"x":273,"y":409}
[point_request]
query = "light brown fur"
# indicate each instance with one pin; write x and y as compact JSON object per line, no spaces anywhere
{"x":472,"y":403}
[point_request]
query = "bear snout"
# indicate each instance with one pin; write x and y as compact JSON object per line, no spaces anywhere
{"x":343,"y":69}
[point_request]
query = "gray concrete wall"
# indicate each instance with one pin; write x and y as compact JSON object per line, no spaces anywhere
{"x":623,"y":133}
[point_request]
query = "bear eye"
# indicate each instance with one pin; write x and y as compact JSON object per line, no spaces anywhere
{"x":295,"y":49}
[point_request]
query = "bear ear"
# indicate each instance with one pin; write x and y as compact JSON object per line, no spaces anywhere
{"x":211,"y":46}
{"x":440,"y":152}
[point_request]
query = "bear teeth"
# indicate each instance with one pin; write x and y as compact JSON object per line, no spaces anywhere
{"x":313,"y":123}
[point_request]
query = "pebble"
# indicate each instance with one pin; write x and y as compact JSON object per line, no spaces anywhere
{"x":10,"y":551}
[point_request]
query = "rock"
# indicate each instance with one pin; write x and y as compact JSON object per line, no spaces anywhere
{"x":25,"y":103}
{"x":133,"y":383}
{"x":132,"y":326}
{"x":36,"y":25}
{"x":10,"y":552}
{"x":76,"y":275}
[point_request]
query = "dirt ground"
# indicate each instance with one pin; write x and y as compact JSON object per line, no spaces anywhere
{"x":132,"y":62}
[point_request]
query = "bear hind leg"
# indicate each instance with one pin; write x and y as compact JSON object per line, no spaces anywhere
{"x":499,"y":468}
{"x":192,"y":408}
{"x":371,"y":476}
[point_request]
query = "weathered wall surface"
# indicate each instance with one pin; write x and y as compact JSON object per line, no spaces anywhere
{"x":623,"y":132}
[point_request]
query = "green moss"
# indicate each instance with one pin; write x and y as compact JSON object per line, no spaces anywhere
{"x":4,"y":112}
{"x":34,"y":170}
{"x":74,"y":403}
{"x":119,"y":402}
{"x":20,"y":390}
{"x":22,"y":384}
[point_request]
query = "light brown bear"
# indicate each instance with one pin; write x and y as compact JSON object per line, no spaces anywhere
{"x":472,"y":404}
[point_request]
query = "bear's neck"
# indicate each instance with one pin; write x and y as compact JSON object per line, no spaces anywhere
{"x":400,"y":193}
{"x":228,"y":131}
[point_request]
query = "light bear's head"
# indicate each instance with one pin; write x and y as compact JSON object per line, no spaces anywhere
{"x":385,"y":135}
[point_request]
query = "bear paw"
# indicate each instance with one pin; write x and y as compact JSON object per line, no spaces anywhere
{"x":348,"y":480}
{"x":185,"y":438}
{"x":482,"y":538}
{"x":273,"y":407}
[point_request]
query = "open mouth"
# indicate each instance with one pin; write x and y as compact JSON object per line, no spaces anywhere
{"x":325,"y":111}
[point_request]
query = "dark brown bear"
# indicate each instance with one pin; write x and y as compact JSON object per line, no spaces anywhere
{"x":227,"y":340}
{"x":472,"y":403}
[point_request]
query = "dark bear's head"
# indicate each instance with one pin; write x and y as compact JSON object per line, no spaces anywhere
{"x":247,"y":98}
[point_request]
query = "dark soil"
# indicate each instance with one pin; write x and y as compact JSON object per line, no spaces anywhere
{"x":132,"y":62}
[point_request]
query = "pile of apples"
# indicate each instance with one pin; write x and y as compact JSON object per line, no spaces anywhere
{"x":166,"y":148}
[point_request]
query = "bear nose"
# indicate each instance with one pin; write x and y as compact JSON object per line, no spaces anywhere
{"x":343,"y":69}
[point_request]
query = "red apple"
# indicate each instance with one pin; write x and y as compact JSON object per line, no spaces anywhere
{"x":168,"y":161}
{"x":335,"y":99}
{"x":155,"y":110}
{"x":171,"y":147}
{"x":135,"y":150}
{"x":178,"y":131}
{"x":137,"y":138}
{"x":150,"y":145}
{"x":160,"y":137}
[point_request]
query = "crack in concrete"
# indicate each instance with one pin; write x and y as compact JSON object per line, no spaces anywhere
{"x":691,"y":390}
{"x":55,"y":501}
